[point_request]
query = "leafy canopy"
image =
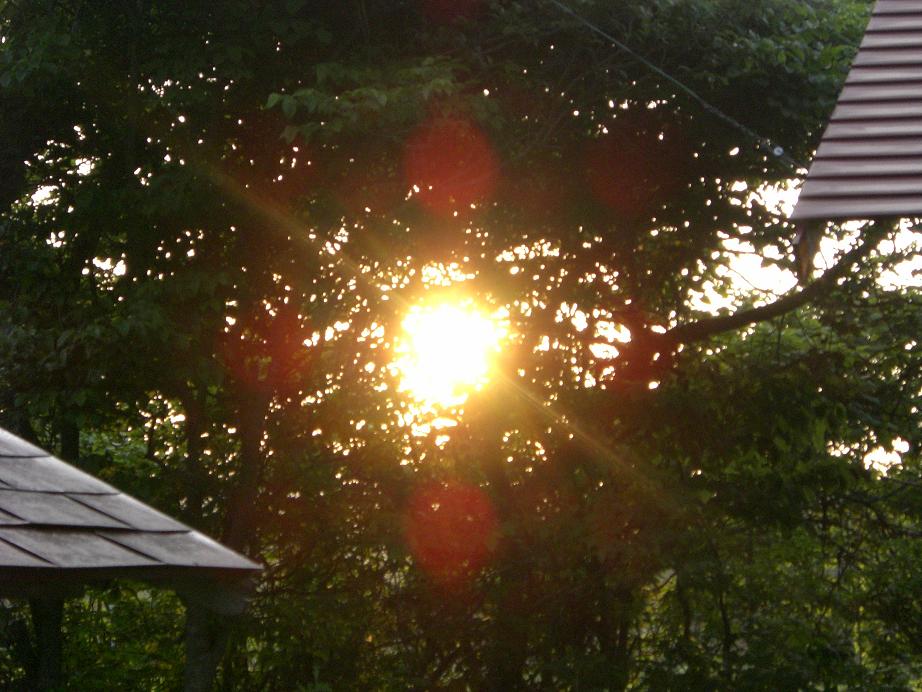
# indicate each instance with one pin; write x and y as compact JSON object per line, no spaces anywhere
{"x":215,"y":220}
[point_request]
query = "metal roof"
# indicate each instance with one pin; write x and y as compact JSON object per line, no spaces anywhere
{"x":869,"y":162}
{"x":58,"y":523}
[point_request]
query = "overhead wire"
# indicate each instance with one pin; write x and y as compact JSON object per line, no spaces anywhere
{"x":776,"y":151}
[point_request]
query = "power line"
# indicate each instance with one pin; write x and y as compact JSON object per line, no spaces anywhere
{"x":764,"y":142}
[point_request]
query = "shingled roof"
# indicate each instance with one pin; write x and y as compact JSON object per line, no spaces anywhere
{"x":869,"y":162}
{"x":59,"y":524}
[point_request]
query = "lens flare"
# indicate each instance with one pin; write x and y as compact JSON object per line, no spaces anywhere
{"x":451,"y":164}
{"x":446,"y":351}
{"x":451,"y":530}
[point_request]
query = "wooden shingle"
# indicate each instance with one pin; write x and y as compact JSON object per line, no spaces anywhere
{"x":58,"y":523}
{"x":869,"y":161}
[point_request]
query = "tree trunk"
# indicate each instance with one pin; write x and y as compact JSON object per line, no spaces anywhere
{"x":509,"y":647}
{"x":240,"y":522}
{"x":70,"y":442}
{"x":193,"y":404}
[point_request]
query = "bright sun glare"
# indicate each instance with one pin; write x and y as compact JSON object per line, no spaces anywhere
{"x":446,"y":351}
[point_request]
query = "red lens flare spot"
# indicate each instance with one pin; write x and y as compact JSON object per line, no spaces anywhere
{"x":267,"y":351}
{"x":452,"y":165}
{"x":451,"y":530}
{"x":633,"y":173}
{"x":616,"y":172}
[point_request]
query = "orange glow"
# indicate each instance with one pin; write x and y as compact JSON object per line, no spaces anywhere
{"x":451,"y":163}
{"x":451,"y":530}
{"x":636,"y":168}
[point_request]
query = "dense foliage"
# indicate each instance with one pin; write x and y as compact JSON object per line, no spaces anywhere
{"x":214,"y":218}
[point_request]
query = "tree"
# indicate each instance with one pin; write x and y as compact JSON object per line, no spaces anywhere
{"x":210,"y":242}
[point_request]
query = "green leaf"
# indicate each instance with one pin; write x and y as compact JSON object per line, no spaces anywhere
{"x":289,"y":106}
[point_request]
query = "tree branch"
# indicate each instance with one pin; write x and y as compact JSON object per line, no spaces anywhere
{"x":702,"y":329}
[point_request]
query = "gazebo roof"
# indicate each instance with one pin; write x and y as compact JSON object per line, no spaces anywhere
{"x":59,"y":525}
{"x":869,"y":162}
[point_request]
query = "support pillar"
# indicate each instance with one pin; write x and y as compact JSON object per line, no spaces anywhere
{"x":206,"y":641}
{"x":47,"y":616}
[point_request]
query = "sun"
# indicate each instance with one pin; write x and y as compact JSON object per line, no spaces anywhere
{"x":446,"y":351}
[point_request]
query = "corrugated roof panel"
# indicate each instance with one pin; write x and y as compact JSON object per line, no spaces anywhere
{"x":906,"y":55}
{"x":899,"y":22}
{"x":885,"y":7}
{"x":889,"y":39}
{"x":869,"y":161}
{"x":858,"y":207}
{"x":897,"y":165}
{"x":868,"y":149}
{"x":845,"y":112}
{"x":879,"y":94}
{"x":874,"y":128}
{"x":865,"y":187}
{"x":884,"y":74}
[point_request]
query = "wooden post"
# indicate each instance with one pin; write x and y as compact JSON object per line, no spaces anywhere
{"x":206,"y":641}
{"x":47,"y":616}
{"x":210,"y":612}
